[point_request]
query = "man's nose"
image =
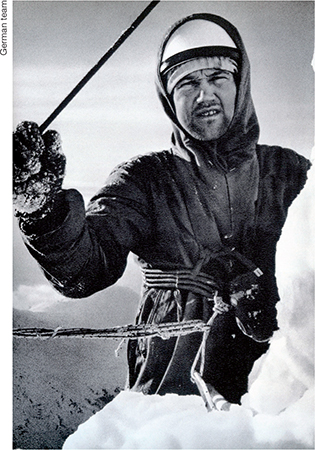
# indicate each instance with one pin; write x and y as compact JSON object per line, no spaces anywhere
{"x":206,"y":92}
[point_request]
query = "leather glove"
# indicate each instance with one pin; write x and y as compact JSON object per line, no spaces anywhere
{"x":38,"y":170}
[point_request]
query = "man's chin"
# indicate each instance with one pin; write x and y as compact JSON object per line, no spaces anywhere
{"x":208,"y":132}
{"x":206,"y":136}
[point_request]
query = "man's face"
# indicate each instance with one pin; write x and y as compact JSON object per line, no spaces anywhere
{"x":204,"y":103}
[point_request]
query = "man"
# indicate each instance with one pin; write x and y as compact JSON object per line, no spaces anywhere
{"x":203,"y":217}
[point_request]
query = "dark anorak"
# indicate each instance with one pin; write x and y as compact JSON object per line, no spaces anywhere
{"x":176,"y":210}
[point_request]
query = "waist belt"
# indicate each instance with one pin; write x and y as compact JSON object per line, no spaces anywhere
{"x":200,"y":283}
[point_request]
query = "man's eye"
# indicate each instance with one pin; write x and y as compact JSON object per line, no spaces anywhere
{"x":220,"y":79}
{"x":187,"y":83}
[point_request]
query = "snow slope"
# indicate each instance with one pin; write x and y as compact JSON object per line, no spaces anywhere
{"x":278,"y":411}
{"x":60,"y":383}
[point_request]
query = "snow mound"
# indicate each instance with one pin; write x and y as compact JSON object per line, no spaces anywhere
{"x":136,"y":421}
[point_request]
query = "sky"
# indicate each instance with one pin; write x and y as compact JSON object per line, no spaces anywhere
{"x":117,"y":115}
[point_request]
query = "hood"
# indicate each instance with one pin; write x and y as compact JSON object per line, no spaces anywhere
{"x":238,"y":144}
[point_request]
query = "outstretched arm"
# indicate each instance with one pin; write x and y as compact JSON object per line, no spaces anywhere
{"x":80,"y":253}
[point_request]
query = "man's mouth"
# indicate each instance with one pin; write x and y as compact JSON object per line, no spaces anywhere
{"x":208,"y":112}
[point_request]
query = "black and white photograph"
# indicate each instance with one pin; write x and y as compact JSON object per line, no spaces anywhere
{"x":163,"y":224}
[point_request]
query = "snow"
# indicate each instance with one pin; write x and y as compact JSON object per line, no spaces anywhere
{"x":136,"y":421}
{"x":277,"y":412}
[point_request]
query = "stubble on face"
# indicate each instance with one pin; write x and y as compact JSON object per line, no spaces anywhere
{"x":205,"y":104}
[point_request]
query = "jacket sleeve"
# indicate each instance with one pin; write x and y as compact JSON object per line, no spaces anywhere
{"x":88,"y":250}
{"x":283,"y":174}
{"x":296,"y":169}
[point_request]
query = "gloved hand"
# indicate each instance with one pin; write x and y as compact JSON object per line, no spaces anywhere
{"x":220,"y":306}
{"x":254,"y":316}
{"x":38,"y":169}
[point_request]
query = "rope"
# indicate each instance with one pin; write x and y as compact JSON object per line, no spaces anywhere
{"x":201,"y":351}
{"x":163,"y":330}
{"x":200,"y":283}
{"x":100,"y":63}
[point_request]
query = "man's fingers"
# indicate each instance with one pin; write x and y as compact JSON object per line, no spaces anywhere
{"x":29,"y":136}
{"x":28,"y":146}
{"x":54,"y":161}
{"x":52,"y":139}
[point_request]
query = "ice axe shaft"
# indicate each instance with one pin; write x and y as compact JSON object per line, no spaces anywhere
{"x":100,"y":63}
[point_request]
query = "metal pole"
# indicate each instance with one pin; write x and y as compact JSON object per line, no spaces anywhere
{"x":100,"y":63}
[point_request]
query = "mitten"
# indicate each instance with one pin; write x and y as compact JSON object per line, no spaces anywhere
{"x":254,"y":315}
{"x":38,"y":170}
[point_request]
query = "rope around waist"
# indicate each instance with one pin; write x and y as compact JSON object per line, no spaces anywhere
{"x":200,"y":283}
